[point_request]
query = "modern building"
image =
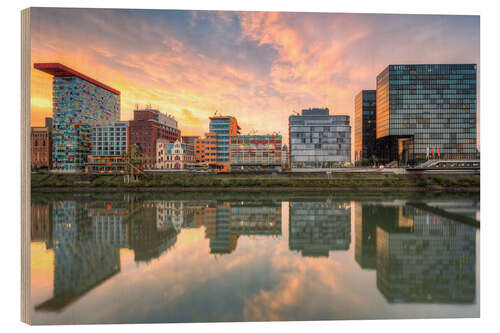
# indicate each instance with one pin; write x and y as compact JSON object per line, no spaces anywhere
{"x":110,"y":139}
{"x":41,"y":145}
{"x":224,"y":127}
{"x":255,"y":152}
{"x":173,"y":155}
{"x":205,"y":149}
{"x":79,"y":103}
{"x":148,"y":126}
{"x":364,"y":124}
{"x":426,"y":111}
{"x":318,"y":139}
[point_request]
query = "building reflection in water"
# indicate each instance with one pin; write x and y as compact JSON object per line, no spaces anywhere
{"x":80,"y":262}
{"x":86,"y":236}
{"x":419,"y":256}
{"x":225,"y":222}
{"x":318,"y":227}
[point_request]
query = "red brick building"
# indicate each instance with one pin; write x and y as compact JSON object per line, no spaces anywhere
{"x":41,"y":143}
{"x":148,"y":126}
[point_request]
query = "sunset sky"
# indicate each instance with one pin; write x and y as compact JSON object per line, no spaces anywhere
{"x":257,"y":66}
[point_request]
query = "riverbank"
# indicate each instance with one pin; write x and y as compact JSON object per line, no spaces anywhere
{"x":309,"y":182}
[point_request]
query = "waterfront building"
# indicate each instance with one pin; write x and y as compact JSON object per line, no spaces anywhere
{"x":173,"y":155}
{"x":79,"y":103}
{"x":107,"y":165}
{"x":255,"y":152}
{"x":224,"y":127}
{"x":319,"y":140}
{"x":110,"y":139}
{"x":189,"y":140}
{"x":148,"y":126}
{"x":426,"y":111}
{"x":41,"y":145}
{"x":205,"y":149}
{"x":364,"y":124}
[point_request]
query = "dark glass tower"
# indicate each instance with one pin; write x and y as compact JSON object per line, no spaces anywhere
{"x":364,"y":124}
{"x":426,"y":111}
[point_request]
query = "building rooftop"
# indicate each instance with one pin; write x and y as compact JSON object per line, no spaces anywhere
{"x":57,"y":69}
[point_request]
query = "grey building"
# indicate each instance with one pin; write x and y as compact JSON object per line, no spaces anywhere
{"x":318,"y":139}
{"x":426,"y":111}
{"x":110,"y":139}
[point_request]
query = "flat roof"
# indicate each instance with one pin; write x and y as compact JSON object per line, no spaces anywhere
{"x":57,"y":69}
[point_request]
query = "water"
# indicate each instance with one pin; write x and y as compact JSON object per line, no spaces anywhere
{"x":130,"y":258}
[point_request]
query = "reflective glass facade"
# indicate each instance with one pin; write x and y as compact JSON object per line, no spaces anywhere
{"x":224,"y":127}
{"x":318,"y":139}
{"x":364,"y":124}
{"x":426,"y":111}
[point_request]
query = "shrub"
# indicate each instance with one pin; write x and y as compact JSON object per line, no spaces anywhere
{"x":421,"y":182}
{"x":438,"y":179}
{"x":386,"y":182}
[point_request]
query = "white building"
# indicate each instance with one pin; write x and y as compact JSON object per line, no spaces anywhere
{"x":172,"y":155}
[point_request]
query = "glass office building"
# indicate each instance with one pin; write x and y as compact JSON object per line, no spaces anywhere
{"x":79,"y":103}
{"x":364,"y":124}
{"x":224,"y":127}
{"x":318,"y":139}
{"x":426,"y":111}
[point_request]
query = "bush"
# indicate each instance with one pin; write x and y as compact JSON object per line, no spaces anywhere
{"x":386,"y":182}
{"x":438,"y":179}
{"x":421,"y":182}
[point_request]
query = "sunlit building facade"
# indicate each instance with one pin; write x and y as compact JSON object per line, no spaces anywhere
{"x":426,"y":111}
{"x":255,"y":152}
{"x":148,"y":126}
{"x":79,"y":103}
{"x":224,"y":127}
{"x":319,"y":140}
{"x":110,"y":139}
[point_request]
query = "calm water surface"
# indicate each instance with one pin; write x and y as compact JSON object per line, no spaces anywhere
{"x":129,"y":258}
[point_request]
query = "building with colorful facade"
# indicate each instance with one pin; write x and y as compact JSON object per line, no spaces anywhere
{"x":41,"y":145}
{"x":79,"y":103}
{"x":255,"y":152}
{"x":148,"y":126}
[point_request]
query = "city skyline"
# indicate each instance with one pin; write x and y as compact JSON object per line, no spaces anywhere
{"x":245,"y":64}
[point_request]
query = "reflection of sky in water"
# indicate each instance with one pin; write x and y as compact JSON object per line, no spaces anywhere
{"x":125,"y":260}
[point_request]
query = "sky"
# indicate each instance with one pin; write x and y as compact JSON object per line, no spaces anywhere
{"x":257,"y":66}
